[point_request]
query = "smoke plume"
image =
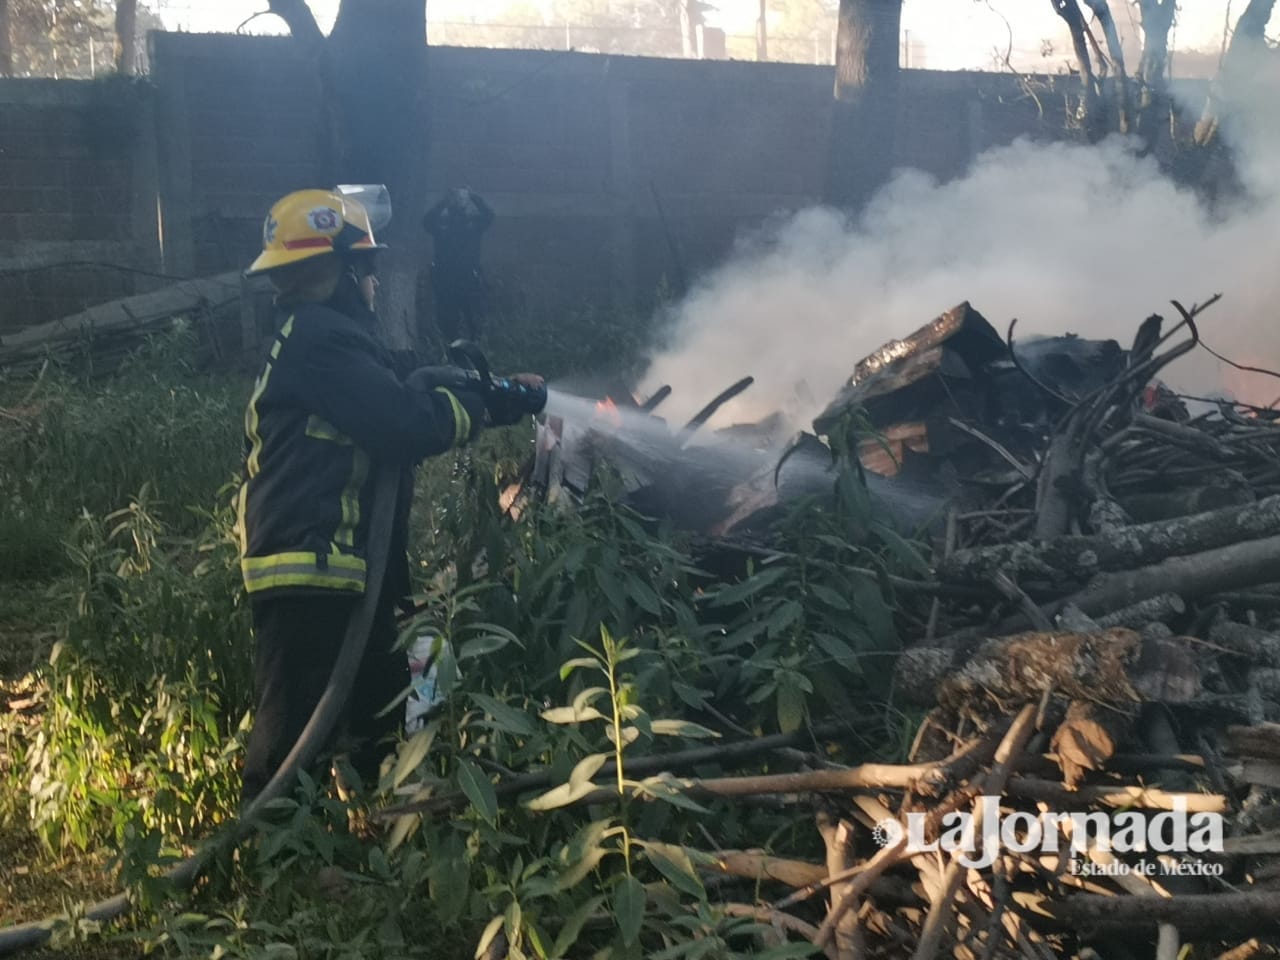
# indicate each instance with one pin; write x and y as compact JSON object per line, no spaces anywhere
{"x":1066,"y":238}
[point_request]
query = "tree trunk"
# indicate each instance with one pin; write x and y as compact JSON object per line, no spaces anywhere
{"x":1115,"y":51}
{"x":762,"y":32}
{"x":6,"y":41}
{"x":864,"y":114}
{"x":1247,"y":42}
{"x":374,"y":83}
{"x":127,"y":37}
{"x":1153,"y":67}
{"x":377,"y":71}
{"x":690,"y":20}
{"x":1089,"y":115}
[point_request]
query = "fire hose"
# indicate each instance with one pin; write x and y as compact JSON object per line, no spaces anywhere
{"x":334,"y":699}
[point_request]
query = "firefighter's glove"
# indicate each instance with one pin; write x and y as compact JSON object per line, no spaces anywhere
{"x":512,"y":399}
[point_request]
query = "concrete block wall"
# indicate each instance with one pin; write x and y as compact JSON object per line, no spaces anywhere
{"x":597,"y":166}
{"x":68,"y":161}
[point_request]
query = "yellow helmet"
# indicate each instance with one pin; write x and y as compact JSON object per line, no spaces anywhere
{"x":312,"y":223}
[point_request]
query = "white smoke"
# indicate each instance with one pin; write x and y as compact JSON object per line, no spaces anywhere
{"x":1066,"y":238}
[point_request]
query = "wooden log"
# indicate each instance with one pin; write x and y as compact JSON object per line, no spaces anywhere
{"x":1081,"y":666}
{"x":1028,"y":788}
{"x":1242,"y":914}
{"x":1238,"y":565}
{"x":127,"y":315}
{"x":1122,"y":549}
{"x":1260,"y":646}
{"x":1160,"y":609}
{"x":1261,"y":741}
{"x":757,"y":865}
{"x":1154,"y":507}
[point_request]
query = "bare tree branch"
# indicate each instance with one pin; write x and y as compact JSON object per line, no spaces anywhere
{"x":300,"y":20}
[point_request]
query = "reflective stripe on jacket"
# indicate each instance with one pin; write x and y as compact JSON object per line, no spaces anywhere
{"x":325,"y":410}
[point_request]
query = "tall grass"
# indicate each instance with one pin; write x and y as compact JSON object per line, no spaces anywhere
{"x":70,"y":448}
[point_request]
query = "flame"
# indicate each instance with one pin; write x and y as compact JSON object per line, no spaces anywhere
{"x":607,"y":410}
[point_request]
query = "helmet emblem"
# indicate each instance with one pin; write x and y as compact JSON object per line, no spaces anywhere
{"x":269,"y":230}
{"x":324,"y":220}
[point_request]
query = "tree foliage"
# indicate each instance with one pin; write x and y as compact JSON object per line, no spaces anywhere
{"x":67,"y":38}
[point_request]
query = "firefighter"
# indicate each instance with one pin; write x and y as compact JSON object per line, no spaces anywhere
{"x":457,"y":224}
{"x":327,"y":407}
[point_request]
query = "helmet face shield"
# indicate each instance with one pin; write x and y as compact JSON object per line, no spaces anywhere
{"x":374,"y":197}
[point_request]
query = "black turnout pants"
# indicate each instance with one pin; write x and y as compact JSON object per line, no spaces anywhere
{"x":458,"y":305}
{"x":297,"y":640}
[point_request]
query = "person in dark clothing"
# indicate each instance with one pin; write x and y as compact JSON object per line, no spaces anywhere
{"x":327,"y":413}
{"x":457,"y":224}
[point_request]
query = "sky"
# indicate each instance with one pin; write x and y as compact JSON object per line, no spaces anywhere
{"x":950,"y":34}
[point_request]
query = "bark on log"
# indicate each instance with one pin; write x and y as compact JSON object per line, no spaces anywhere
{"x":1080,"y":666}
{"x":1170,"y":505}
{"x":1122,"y":549}
{"x":1115,"y":666}
{"x":1260,"y":646}
{"x":1262,"y":740}
{"x":1231,"y":567}
{"x":756,"y":865}
{"x":1155,"y":610}
{"x":1242,"y":914}
{"x":132,"y":314}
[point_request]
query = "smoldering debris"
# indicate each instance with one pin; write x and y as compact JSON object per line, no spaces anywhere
{"x":1102,"y":635}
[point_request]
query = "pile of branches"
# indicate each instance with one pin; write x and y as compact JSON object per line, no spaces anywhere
{"x":1102,"y":640}
{"x":1127,"y":661}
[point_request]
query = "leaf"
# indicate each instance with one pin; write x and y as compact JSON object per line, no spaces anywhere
{"x":587,"y":697}
{"x":505,"y":717}
{"x":611,"y":588}
{"x":682,"y":728}
{"x":571,"y":665}
{"x":478,"y":790}
{"x":660,"y":789}
{"x":629,"y":735}
{"x":494,"y":629}
{"x":400,"y":832}
{"x":744,"y":634}
{"x":587,"y":768}
{"x":875,"y":613}
{"x":643,"y":595}
{"x":414,"y":752}
{"x":560,"y":796}
{"x":573,"y":925}
{"x":570,"y":715}
{"x":748,"y":588}
{"x":902,"y":550}
{"x":783,"y":616}
{"x":628,"y":907}
{"x":790,"y":707}
{"x":479,"y":646}
{"x":578,"y":872}
{"x":827,"y":595}
{"x":490,"y":932}
{"x":690,"y":695}
{"x":838,"y":650}
{"x":674,"y":864}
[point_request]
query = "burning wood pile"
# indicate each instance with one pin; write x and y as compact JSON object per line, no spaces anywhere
{"x":1101,"y":661}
